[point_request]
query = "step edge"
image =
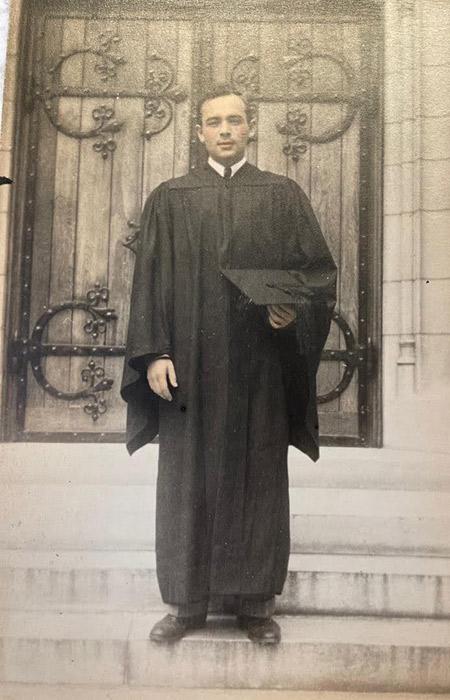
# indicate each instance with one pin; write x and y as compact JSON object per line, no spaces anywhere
{"x":145,"y":560}
{"x":134,"y":628}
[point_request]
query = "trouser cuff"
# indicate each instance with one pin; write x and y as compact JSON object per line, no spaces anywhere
{"x":253,"y":607}
{"x":188,"y":609}
{"x":257,"y":608}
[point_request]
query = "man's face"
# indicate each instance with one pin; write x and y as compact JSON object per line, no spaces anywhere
{"x":224,"y":129}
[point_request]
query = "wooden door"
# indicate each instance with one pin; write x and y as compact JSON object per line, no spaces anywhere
{"x":110,"y":113}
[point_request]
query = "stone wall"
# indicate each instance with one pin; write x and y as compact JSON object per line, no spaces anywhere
{"x":4,"y":15}
{"x":416,"y":313}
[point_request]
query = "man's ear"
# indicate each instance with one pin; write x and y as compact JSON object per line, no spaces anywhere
{"x":199,"y":131}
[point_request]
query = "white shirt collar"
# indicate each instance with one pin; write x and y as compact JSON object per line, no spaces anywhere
{"x":219,"y":168}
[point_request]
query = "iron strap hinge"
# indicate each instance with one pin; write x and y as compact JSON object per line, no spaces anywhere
{"x":367,"y":358}
{"x":16,"y":357}
{"x":25,"y":350}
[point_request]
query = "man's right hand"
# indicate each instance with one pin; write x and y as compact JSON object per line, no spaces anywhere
{"x":158,"y":372}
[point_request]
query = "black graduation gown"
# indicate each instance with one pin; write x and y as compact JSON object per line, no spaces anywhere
{"x":211,"y":254}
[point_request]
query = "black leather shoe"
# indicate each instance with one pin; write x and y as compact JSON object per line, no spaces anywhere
{"x":171,"y":628}
{"x":262,"y":630}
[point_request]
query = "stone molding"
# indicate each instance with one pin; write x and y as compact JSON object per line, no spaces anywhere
{"x":7,"y":155}
{"x":403,"y":98}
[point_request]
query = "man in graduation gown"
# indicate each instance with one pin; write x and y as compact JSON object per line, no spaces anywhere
{"x":233,"y":293}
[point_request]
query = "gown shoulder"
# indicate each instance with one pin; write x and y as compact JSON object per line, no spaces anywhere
{"x":248,"y":175}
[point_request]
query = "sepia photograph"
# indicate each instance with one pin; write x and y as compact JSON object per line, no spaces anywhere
{"x":225,"y":348}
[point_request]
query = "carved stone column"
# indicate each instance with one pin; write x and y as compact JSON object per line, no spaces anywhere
{"x":403,"y":179}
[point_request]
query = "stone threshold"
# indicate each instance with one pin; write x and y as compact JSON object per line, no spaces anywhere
{"x":25,"y":691}
{"x":316,"y":653}
{"x":338,"y":467}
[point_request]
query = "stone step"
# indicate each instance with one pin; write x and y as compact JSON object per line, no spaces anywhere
{"x":34,"y":691}
{"x":330,"y":653}
{"x":316,"y":584}
{"x":323,"y":520}
{"x":338,"y":467}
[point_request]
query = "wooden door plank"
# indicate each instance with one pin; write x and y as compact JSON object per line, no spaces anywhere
{"x":243,"y":41}
{"x":270,"y":142}
{"x":300,"y":171}
{"x":56,"y":419}
{"x":92,"y":241}
{"x":348,"y":401}
{"x":183,"y":111}
{"x":272,"y":83}
{"x":65,"y":212}
{"x":130,"y":45}
{"x":126,"y":188}
{"x":325,"y":179}
{"x":43,"y":166}
{"x":159,"y":150}
{"x":220,"y":72}
{"x":339,"y":424}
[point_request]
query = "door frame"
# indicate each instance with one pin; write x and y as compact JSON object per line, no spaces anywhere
{"x":370,"y":206}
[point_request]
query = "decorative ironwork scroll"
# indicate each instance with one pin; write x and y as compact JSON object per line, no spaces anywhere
{"x":294,"y":129}
{"x":158,"y":106}
{"x":298,"y":64}
{"x":34,"y":350}
{"x":160,"y":94}
{"x":97,"y":325}
{"x":352,"y":357}
{"x":94,"y":375}
{"x":245,"y":76}
{"x":245,"y":79}
{"x":106,"y":66}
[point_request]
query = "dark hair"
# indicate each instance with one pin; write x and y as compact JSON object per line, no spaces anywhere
{"x":220,"y":90}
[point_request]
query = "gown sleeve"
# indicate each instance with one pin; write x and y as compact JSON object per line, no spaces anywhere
{"x":315,"y":273}
{"x":307,"y":257}
{"x":305,"y":273}
{"x":149,"y":327}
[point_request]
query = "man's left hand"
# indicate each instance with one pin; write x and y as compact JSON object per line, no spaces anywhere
{"x":281,"y":315}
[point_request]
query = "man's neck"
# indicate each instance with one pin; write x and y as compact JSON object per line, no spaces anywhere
{"x":219,"y":168}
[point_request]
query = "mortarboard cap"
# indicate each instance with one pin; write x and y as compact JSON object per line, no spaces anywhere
{"x":280,"y":286}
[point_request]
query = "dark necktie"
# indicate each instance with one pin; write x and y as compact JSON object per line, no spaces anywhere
{"x":227,"y":172}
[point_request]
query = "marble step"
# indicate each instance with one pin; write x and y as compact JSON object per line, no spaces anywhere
{"x":35,"y":691}
{"x":316,"y":584}
{"x":338,"y":467}
{"x":323,"y":520}
{"x":316,"y":653}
